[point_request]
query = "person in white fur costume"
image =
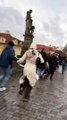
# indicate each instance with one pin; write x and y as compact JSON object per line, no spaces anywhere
{"x":29,"y":77}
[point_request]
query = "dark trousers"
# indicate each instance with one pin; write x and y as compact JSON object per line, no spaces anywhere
{"x":26,"y":88}
{"x":51,"y":73}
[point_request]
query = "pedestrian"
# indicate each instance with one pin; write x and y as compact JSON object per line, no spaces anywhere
{"x":29,"y":77}
{"x":42,"y":66}
{"x":52,"y":67}
{"x":63,"y":65}
{"x":6,"y":58}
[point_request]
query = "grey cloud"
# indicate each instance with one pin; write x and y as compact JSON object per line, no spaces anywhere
{"x":54,"y":30}
{"x":12,"y":20}
{"x":57,"y":5}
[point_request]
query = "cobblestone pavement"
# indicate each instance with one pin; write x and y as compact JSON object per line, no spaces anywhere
{"x":48,"y":100}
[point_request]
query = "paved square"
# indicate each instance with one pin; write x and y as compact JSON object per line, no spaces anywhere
{"x":48,"y":100}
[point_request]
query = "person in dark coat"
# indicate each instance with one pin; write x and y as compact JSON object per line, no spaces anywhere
{"x":6,"y":58}
{"x":63,"y":65}
{"x":44,"y":54}
{"x":41,"y":66}
{"x":52,"y":67}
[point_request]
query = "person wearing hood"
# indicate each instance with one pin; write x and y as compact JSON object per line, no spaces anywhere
{"x":29,"y":77}
{"x":6,"y":58}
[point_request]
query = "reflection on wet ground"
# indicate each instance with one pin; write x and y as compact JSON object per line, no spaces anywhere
{"x":48,"y":100}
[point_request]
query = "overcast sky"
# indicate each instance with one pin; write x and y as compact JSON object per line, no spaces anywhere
{"x":49,"y":18}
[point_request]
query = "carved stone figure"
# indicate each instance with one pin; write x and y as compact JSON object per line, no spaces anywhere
{"x":28,"y":23}
{"x":28,"y":16}
{"x":29,"y":30}
{"x":32,"y":30}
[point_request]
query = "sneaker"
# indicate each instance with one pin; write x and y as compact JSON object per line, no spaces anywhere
{"x":2,"y":89}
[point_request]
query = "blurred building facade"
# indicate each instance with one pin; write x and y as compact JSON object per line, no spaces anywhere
{"x":65,"y":50}
{"x":5,"y":38}
{"x":48,"y":49}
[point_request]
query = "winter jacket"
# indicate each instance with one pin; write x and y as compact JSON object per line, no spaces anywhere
{"x":7,"y":56}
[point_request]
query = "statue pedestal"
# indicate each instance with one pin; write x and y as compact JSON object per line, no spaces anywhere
{"x":28,"y":37}
{"x":25,"y":46}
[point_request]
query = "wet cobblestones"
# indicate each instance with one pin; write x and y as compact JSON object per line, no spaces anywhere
{"x":48,"y":100}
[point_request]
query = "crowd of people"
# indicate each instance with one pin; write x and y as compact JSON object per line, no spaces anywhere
{"x":38,"y":64}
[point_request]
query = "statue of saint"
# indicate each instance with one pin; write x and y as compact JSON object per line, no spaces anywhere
{"x":28,"y":16}
{"x":28,"y":22}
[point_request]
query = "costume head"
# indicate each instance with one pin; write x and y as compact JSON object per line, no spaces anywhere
{"x":33,"y":46}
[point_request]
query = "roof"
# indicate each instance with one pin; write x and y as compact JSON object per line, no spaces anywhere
{"x":46,"y":48}
{"x":8,"y":37}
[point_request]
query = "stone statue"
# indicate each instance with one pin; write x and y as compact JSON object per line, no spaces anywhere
{"x":28,"y":16}
{"x":29,"y":28}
